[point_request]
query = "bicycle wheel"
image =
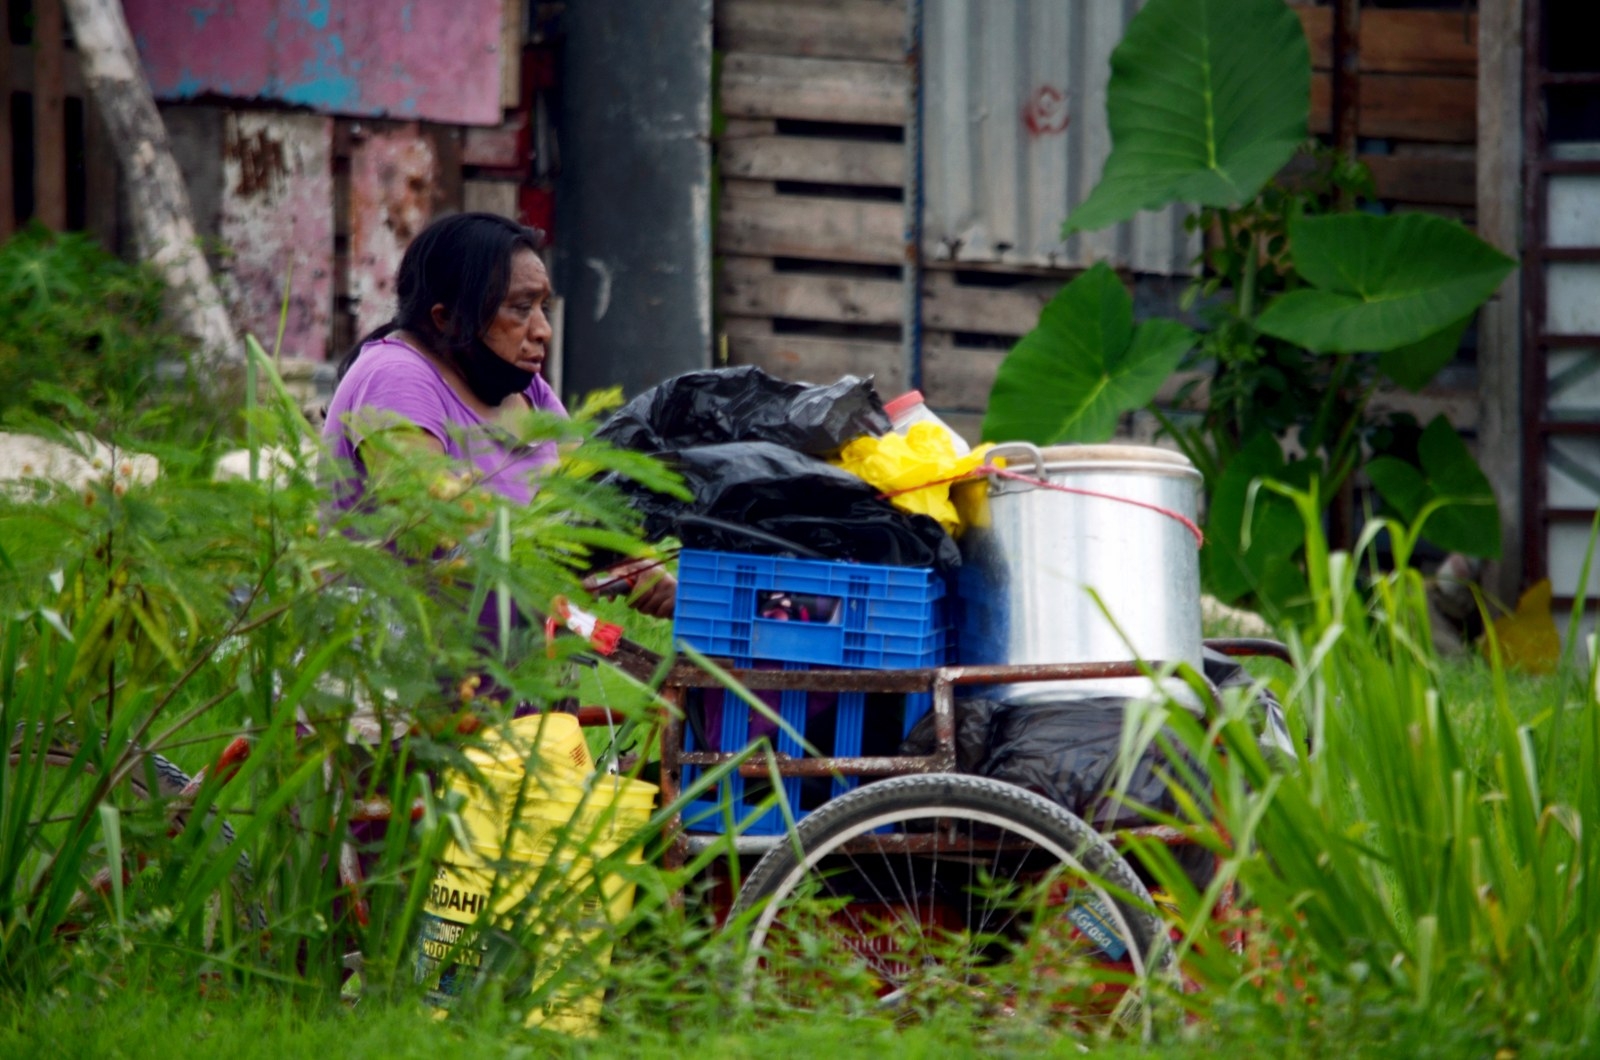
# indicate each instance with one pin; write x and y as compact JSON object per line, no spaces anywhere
{"x":939,"y":889}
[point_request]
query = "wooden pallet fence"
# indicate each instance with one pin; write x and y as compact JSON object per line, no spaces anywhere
{"x":1418,"y":92}
{"x":811,"y":226}
{"x":55,"y":164}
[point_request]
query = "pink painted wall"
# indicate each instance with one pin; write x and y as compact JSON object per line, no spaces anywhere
{"x":436,"y":60}
{"x":393,"y":174}
{"x":277,"y":223}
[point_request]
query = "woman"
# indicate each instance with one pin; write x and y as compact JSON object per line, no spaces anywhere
{"x":460,"y":359}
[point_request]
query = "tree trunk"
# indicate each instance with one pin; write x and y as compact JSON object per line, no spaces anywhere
{"x":158,"y":198}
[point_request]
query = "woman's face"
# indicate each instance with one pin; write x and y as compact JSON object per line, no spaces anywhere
{"x":520,"y":330}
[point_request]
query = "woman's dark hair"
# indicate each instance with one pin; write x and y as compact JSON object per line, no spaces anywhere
{"x":462,"y":262}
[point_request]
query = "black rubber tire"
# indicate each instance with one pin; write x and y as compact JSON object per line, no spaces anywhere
{"x":981,"y":803}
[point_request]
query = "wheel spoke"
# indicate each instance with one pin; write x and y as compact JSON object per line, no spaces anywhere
{"x":876,"y":851}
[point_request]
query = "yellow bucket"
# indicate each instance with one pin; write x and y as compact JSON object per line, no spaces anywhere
{"x":568,"y":819}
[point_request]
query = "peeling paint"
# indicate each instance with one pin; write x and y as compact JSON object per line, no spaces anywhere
{"x":442,"y":59}
{"x":393,"y":174}
{"x":277,"y":222}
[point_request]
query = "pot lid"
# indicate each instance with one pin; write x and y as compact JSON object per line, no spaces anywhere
{"x":1115,"y":454}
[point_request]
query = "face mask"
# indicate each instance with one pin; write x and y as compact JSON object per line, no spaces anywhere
{"x":492,"y":377}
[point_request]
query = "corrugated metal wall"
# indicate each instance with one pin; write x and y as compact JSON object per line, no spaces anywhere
{"x":1015,"y":135}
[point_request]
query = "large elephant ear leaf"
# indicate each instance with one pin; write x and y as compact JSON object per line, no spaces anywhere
{"x":1469,"y":522}
{"x":1258,"y":557}
{"x":1070,"y":378}
{"x":1414,"y":365}
{"x":1381,"y":283}
{"x":1208,"y":99}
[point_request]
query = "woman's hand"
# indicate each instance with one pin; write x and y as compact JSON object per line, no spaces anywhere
{"x":651,"y":588}
{"x":656,"y":595}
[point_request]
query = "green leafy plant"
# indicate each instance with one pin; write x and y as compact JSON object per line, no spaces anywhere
{"x":1226,"y":113}
{"x":1311,"y":307}
{"x":172,"y":616}
{"x":81,"y":331}
{"x":1084,"y":365}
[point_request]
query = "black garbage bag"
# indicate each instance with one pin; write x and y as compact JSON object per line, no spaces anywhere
{"x":1065,"y":750}
{"x":1272,"y":727}
{"x":973,"y":718}
{"x":745,"y":404}
{"x":789,"y":499}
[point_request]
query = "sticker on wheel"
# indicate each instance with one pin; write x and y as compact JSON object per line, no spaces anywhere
{"x":1093,"y":921}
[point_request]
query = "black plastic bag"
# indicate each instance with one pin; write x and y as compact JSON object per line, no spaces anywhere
{"x":973,"y":717}
{"x":745,"y":404}
{"x":1272,"y":727}
{"x":817,"y":509}
{"x":1065,"y":750}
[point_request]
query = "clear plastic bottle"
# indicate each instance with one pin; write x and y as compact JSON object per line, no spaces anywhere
{"x":909,"y":408}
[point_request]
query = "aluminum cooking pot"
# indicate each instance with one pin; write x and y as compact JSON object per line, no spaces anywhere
{"x":1065,"y":525}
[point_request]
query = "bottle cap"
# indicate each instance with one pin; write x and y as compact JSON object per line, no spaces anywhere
{"x":904,"y":403}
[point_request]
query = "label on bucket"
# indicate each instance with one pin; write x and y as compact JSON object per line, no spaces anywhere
{"x":449,"y":957}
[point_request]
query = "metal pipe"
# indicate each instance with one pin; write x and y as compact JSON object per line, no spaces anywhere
{"x":911,"y":267}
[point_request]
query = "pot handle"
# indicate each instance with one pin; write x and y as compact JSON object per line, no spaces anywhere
{"x":1010,"y":451}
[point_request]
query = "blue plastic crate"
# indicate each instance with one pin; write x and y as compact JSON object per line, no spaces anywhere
{"x":876,"y":618}
{"x":845,"y":724}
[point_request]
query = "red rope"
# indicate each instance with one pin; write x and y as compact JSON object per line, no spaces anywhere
{"x":1001,"y":472}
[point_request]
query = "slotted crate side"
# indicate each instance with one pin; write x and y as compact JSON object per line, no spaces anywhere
{"x":885,"y":617}
{"x":837,"y":724}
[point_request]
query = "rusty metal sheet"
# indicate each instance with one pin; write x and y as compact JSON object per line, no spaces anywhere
{"x":396,"y":58}
{"x":277,"y":225}
{"x":393,"y":176}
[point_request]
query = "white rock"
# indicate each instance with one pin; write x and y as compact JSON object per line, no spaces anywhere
{"x":274,"y":462}
{"x":26,"y":457}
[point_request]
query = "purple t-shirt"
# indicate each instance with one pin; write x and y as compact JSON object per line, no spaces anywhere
{"x":391,"y":384}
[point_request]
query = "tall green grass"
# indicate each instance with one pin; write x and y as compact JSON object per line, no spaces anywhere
{"x":175,"y":616}
{"x":1415,"y":866}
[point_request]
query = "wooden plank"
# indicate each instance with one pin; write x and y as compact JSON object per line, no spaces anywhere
{"x":750,"y":287}
{"x":102,"y":181}
{"x":21,"y":60}
{"x":837,"y":90}
{"x":502,"y":146}
{"x":1499,"y":170}
{"x":7,"y":191}
{"x":821,"y":161}
{"x":957,"y":377}
{"x":799,"y":226}
{"x":857,"y":31}
{"x":447,"y":147}
{"x":814,"y":359}
{"x":1401,"y":42}
{"x":1403,"y":107}
{"x":49,"y":116}
{"x":750,"y":189}
{"x":1424,"y":179}
{"x":511,"y":16}
{"x":948,"y":305}
{"x":489,"y":196}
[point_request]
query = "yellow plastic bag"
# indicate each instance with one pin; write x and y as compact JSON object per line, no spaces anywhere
{"x":1528,"y":638}
{"x":896,"y":463}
